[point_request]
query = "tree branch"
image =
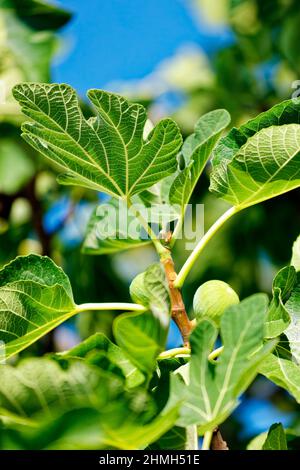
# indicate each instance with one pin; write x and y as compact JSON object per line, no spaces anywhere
{"x":179,"y":314}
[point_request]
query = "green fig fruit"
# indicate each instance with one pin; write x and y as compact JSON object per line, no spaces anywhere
{"x":212,"y":298}
{"x":137,"y":290}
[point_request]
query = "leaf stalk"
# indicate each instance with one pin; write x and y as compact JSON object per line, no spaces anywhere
{"x":191,"y":438}
{"x":173,"y":353}
{"x":186,"y":352}
{"x":111,"y":306}
{"x":183,"y":273}
{"x":207,"y":440}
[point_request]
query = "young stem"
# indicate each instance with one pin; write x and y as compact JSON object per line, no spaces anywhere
{"x":173,"y":353}
{"x":191,"y":438}
{"x":207,"y":440}
{"x":200,"y":246}
{"x":186,"y":352}
{"x":179,"y":314}
{"x":110,"y":306}
{"x":215,"y":353}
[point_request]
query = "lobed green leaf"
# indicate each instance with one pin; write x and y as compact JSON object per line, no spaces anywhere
{"x":35,"y":297}
{"x":107,"y":152}
{"x":196,"y":151}
{"x":260,"y":160}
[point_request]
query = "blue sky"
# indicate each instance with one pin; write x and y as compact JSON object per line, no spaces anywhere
{"x":111,"y":40}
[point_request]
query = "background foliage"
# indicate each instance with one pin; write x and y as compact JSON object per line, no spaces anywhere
{"x":253,"y":72}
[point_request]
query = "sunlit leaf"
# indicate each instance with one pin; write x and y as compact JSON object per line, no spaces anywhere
{"x":35,"y":297}
{"x":257,"y":442}
{"x":106,"y":152}
{"x":196,"y":151}
{"x":283,"y":372}
{"x":259,"y":160}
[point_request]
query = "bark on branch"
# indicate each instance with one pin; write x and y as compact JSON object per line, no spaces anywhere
{"x":179,"y":314}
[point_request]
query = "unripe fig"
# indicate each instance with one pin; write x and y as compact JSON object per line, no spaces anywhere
{"x":137,"y":290}
{"x":212,"y":298}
